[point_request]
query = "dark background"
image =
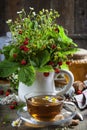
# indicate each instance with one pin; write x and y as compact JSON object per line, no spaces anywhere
{"x":73,"y":15}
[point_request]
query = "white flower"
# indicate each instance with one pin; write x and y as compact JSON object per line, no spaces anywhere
{"x":34,"y":13}
{"x":19,"y":26}
{"x":43,"y":10}
{"x":51,"y":9}
{"x":46,"y":10}
{"x":9,"y":21}
{"x":15,"y":76}
{"x":39,"y":26}
{"x":16,"y":123}
{"x":31,"y":8}
{"x":19,"y":12}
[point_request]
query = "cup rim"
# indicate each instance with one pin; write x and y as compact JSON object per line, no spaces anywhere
{"x":44,"y":94}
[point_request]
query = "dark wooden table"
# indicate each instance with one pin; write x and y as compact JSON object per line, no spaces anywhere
{"x":7,"y":116}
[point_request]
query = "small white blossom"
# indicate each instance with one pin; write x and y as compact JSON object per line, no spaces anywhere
{"x":19,"y":26}
{"x":43,"y":10}
{"x":24,"y":19}
{"x":9,"y":21}
{"x":34,"y":13}
{"x":31,"y":8}
{"x":39,"y":26}
{"x":16,"y":76}
{"x":51,"y":9}
{"x":46,"y":10}
{"x":17,"y":123}
{"x":19,"y":12}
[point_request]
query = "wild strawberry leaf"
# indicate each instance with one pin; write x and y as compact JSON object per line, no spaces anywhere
{"x":27,"y":75}
{"x":40,"y":59}
{"x":45,"y":69}
{"x":7,"y":68}
{"x":44,"y":57}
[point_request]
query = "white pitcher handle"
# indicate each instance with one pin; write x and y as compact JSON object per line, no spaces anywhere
{"x":71,"y":80}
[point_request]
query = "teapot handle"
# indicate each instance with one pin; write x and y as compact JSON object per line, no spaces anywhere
{"x":71,"y":80}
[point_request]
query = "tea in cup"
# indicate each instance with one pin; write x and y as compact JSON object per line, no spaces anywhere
{"x":44,"y":107}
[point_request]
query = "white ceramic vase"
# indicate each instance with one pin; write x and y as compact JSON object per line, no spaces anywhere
{"x":44,"y":84}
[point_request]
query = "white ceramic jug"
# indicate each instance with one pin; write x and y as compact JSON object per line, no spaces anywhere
{"x":45,"y":84}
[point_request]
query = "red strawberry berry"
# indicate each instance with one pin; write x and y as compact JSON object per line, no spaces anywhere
{"x":20,"y":31}
{"x":51,"y":63}
{"x":15,"y":55}
{"x":56,"y":30}
{"x":57,"y":70}
{"x":46,"y":74}
{"x":7,"y":93}
{"x":53,"y":46}
{"x":14,"y":103}
{"x":23,"y":62}
{"x":26,"y":49}
{"x":1,"y":92}
{"x":25,"y":42}
{"x":12,"y":107}
{"x":68,"y":62}
{"x":60,"y":63}
{"x":22,"y":47}
{"x":9,"y":90}
{"x":27,"y":38}
{"x":79,"y":92}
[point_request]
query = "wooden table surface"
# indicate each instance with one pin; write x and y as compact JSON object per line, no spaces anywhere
{"x":7,"y":116}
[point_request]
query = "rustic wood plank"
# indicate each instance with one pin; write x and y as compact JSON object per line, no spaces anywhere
{"x":12,"y":114}
{"x":11,"y":8}
{"x":79,"y":36}
{"x":66,"y":10}
{"x":2,"y":17}
{"x":80,"y":39}
{"x":81,"y":16}
{"x":37,"y":4}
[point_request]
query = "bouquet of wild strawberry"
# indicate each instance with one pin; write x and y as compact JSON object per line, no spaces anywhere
{"x":38,"y":44}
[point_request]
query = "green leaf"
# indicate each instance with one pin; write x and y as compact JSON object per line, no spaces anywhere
{"x":7,"y":68}
{"x":45,"y":69}
{"x":40,"y":59}
{"x":64,"y":66}
{"x":44,"y":57}
{"x":34,"y":61}
{"x":19,"y":106}
{"x":12,"y":51}
{"x":27,"y":75}
{"x":63,"y":36}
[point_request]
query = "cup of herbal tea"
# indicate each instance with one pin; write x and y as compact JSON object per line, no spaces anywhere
{"x":44,"y":107}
